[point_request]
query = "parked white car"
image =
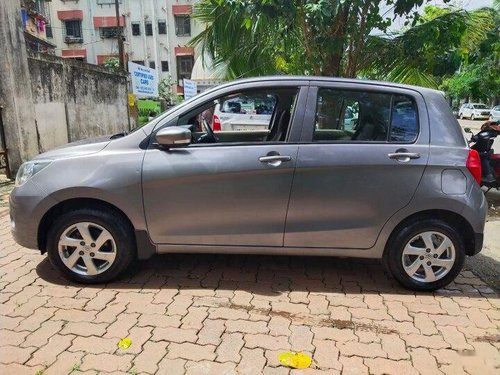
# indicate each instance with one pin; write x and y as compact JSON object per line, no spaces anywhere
{"x":242,"y":113}
{"x":474,"y":111}
{"x":495,"y":113}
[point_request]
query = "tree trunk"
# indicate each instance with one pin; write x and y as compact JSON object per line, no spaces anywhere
{"x":334,"y":64}
{"x":357,"y":42}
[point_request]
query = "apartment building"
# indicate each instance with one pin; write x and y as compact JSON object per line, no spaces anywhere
{"x":156,"y":33}
{"x":34,"y":21}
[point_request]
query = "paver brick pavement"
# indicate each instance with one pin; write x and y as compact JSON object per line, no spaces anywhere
{"x":216,"y":314}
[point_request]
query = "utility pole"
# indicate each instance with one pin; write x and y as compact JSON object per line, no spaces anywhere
{"x":119,"y":36}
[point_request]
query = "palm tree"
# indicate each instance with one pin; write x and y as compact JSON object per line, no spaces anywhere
{"x":252,"y":38}
{"x":433,"y":49}
{"x":247,"y":42}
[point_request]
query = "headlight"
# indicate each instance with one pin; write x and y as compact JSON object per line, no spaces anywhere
{"x":29,"y":169}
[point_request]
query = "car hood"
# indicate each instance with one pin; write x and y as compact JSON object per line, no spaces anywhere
{"x":78,"y":148}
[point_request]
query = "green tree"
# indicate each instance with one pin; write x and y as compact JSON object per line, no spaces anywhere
{"x":165,"y":90}
{"x":436,"y":47}
{"x":478,"y":76}
{"x":321,"y":37}
{"x":112,"y":63}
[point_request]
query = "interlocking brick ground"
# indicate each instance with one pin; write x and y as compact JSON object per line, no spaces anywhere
{"x":215,"y":314}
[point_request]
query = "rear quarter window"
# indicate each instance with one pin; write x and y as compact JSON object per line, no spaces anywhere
{"x":404,"y":119}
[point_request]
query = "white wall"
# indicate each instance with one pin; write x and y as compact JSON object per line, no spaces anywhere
{"x":155,"y":48}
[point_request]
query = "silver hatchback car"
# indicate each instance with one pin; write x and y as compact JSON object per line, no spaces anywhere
{"x":345,"y":168}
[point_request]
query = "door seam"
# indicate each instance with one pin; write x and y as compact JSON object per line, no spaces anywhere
{"x":290,"y":194}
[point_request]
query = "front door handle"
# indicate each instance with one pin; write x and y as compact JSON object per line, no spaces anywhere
{"x":403,"y":155}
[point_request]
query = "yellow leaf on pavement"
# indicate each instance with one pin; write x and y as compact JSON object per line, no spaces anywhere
{"x":125,"y":343}
{"x":295,"y":360}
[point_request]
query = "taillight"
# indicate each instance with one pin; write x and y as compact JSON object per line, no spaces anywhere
{"x":216,"y":124}
{"x":474,"y":165}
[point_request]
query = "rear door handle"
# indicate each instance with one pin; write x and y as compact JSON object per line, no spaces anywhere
{"x":274,"y":158}
{"x":404,"y":157}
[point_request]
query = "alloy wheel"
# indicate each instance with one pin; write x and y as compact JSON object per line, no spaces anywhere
{"x":87,"y":248}
{"x":428,"y":256}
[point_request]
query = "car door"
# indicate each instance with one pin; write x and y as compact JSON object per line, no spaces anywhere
{"x":232,"y":193}
{"x":347,"y":185}
{"x":468,"y":110}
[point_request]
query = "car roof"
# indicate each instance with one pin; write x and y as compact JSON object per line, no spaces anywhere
{"x":319,"y":79}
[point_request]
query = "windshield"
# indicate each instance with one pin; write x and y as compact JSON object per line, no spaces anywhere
{"x":480,"y":106}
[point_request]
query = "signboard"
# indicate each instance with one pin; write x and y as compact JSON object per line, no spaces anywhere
{"x":190,"y":88}
{"x":144,"y":81}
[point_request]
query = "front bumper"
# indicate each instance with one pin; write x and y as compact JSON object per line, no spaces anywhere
{"x":28,"y":204}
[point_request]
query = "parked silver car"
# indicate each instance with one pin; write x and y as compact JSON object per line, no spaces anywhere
{"x":495,"y":113}
{"x":474,"y":111}
{"x":345,"y":168}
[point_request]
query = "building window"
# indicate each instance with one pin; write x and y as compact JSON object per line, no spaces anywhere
{"x":48,"y":31}
{"x":73,"y":31}
{"x":136,"y":28}
{"x":183,"y":25}
{"x":149,"y":28}
{"x":139,"y":62}
{"x":162,"y":27}
{"x":152,"y":65}
{"x":106,"y":2}
{"x":184,"y":67}
{"x":109,"y":32}
{"x":164,"y":66}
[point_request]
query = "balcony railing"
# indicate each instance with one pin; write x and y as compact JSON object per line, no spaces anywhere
{"x":73,"y":39}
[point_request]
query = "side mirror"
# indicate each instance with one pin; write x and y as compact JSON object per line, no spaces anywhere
{"x":467,"y":130}
{"x":173,"y":136}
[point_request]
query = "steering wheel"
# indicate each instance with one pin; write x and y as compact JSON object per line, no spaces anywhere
{"x":210,"y":136}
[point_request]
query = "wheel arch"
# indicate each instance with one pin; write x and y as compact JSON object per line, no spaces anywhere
{"x":72,"y":204}
{"x":452,"y":218}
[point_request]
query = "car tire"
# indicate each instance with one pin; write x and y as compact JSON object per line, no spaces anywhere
{"x":461,"y":116}
{"x":409,"y":260}
{"x":472,"y":117}
{"x":97,"y":245}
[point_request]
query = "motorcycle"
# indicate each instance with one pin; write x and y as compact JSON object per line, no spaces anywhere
{"x":482,"y":142}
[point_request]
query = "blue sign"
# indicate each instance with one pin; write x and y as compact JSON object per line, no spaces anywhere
{"x":190,"y":88}
{"x":144,"y":81}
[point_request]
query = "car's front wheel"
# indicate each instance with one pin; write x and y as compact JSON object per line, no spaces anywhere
{"x":461,"y":116}
{"x":91,"y":246}
{"x":425,"y":255}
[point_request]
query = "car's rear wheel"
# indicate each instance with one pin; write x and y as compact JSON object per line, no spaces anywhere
{"x":425,"y":255}
{"x":91,"y":246}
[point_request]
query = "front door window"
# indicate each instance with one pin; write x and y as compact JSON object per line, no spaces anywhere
{"x":251,"y":116}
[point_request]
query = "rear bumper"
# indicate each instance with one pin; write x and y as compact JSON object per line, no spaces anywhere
{"x":478,"y":243}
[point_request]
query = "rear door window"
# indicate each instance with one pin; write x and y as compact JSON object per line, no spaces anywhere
{"x":356,"y":116}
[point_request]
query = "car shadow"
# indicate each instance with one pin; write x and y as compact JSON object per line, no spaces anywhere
{"x":487,"y":268}
{"x":266,"y":276}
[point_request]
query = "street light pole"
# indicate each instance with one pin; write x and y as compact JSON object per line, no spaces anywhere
{"x":119,"y":36}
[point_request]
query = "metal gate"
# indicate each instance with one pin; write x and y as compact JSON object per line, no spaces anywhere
{"x":4,"y":158}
